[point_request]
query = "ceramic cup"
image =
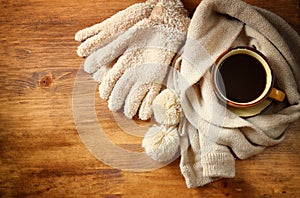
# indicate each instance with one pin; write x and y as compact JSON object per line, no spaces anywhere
{"x":242,"y":77}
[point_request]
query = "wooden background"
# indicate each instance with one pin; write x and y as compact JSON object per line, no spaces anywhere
{"x":41,"y":154}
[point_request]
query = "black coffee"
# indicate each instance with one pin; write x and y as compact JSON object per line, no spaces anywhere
{"x":241,"y":78}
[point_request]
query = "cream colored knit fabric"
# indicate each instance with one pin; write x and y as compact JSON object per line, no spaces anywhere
{"x":217,"y":132}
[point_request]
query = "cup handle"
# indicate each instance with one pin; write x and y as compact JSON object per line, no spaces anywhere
{"x":277,"y":95}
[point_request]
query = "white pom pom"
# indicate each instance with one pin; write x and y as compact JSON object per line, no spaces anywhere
{"x":161,"y":143}
{"x":166,"y":108}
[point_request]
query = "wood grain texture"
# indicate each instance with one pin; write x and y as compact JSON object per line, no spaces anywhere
{"x":41,"y":154}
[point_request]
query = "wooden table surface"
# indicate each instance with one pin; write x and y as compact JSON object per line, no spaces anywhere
{"x":41,"y":153}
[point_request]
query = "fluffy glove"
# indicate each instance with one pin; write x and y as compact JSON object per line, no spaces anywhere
{"x":144,"y":53}
{"x":102,"y":33}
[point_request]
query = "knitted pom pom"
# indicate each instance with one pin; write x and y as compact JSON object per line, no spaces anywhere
{"x":166,"y":108}
{"x":161,"y":143}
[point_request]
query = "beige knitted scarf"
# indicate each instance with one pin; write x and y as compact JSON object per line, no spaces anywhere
{"x":211,"y":135}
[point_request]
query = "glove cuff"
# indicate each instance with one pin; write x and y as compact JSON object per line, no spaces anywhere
{"x":218,"y":165}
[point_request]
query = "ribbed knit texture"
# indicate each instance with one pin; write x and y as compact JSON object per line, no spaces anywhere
{"x":213,"y":129}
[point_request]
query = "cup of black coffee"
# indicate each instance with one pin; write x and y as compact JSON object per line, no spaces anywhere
{"x":242,"y":77}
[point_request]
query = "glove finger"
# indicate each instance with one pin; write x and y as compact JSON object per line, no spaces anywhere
{"x":90,"y":64}
{"x":136,"y":71}
{"x":138,"y":74}
{"x":100,"y":73}
{"x":105,"y":55}
{"x":134,"y":99}
{"x":119,"y":22}
{"x":97,"y":41}
{"x":110,"y":80}
{"x":145,"y":111}
{"x":125,"y":62}
{"x":86,"y":33}
{"x":132,"y":77}
{"x":120,"y":91}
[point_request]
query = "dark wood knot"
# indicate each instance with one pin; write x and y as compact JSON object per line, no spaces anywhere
{"x":45,"y":81}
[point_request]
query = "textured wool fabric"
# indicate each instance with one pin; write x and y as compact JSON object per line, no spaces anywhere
{"x":216,"y":26}
{"x":143,"y":52}
{"x":100,"y":34}
{"x":190,"y":163}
